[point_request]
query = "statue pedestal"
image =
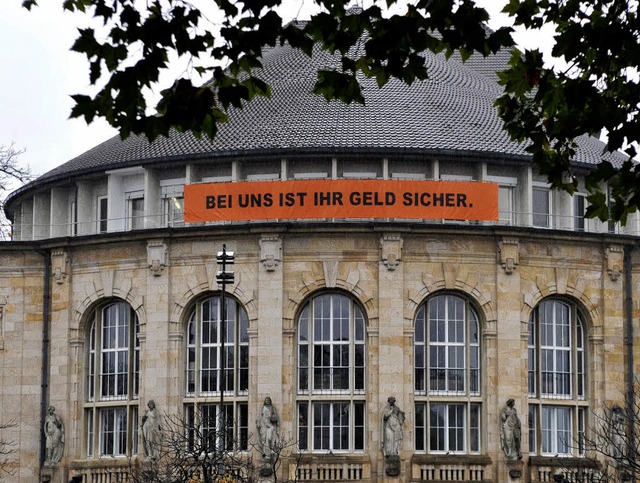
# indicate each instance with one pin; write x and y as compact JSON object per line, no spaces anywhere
{"x":52,"y":474}
{"x":392,"y":466}
{"x":266,"y":468}
{"x":515,"y":470}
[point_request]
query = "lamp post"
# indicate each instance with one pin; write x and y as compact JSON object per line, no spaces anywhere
{"x":224,"y":278}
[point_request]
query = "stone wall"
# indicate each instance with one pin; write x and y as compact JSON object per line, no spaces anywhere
{"x":389,"y":272}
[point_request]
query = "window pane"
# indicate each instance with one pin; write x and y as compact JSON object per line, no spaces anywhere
{"x":505,"y":204}
{"x":456,"y":427}
{"x":303,"y":325}
{"x":136,"y":213}
{"x":532,"y":429}
{"x":556,"y":430}
{"x":359,"y":429}
{"x":419,"y":325}
{"x":102,"y":214}
{"x":541,"y":207}
{"x":563,"y":419}
{"x":453,"y":347}
{"x":340,"y":420}
{"x":335,"y":359}
{"x":419,"y":365}
{"x":113,"y":431}
{"x":578,"y":212}
{"x":437,"y":426}
{"x":243,"y":427}
{"x":359,"y":367}
{"x":420,"y":427}
{"x":205,"y":354}
{"x":303,"y":364}
{"x":321,"y":426}
{"x":474,"y":428}
{"x":303,"y":425}
{"x":90,"y":434}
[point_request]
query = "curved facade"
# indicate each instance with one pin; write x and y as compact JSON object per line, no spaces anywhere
{"x":109,"y":297}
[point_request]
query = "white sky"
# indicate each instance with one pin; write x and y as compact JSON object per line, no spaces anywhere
{"x":39,"y":74}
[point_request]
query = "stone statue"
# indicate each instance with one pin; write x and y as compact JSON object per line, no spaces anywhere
{"x":268,"y":428}
{"x":617,"y":434}
{"x":151,"y":435}
{"x":511,"y":431}
{"x":54,"y":434}
{"x":393,"y":419}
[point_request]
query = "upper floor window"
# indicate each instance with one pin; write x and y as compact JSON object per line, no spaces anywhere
{"x":541,"y":202}
{"x":102,"y":214}
{"x":557,"y":385}
{"x":447,"y":376}
{"x":612,"y":226}
{"x":73,"y":218}
{"x":113,"y":366}
{"x":135,"y":213}
{"x":579,"y":209}
{"x":173,"y":211}
{"x":331,"y":374}
{"x":218,"y":339}
{"x":173,"y":204}
{"x":506,"y":205}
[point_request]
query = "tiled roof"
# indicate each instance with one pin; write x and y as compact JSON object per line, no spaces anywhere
{"x":452,"y":111}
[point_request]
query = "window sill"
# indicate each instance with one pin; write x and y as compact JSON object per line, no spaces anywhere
{"x":561,"y":461}
{"x":458,"y":459}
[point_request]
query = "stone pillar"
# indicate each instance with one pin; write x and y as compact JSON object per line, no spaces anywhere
{"x":506,"y":345}
{"x":60,"y":387}
{"x":152,"y":199}
{"x":393,"y":354}
{"x":158,"y":340}
{"x":86,"y":208}
{"x":60,"y":212}
{"x":268,"y":341}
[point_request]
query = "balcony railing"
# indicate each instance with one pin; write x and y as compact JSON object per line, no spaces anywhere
{"x":339,"y":471}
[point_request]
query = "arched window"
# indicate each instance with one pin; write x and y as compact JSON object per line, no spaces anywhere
{"x":331,"y":374}
{"x":447,"y":376}
{"x":557,"y":406}
{"x":216,"y":407}
{"x":113,"y":362}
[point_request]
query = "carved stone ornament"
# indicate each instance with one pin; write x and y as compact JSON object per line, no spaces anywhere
{"x":614,"y":256}
{"x":157,"y":256}
{"x":59,"y":262}
{"x":54,"y":436}
{"x":270,"y":252}
{"x":510,"y":431}
{"x":515,"y":474}
{"x":391,"y":250}
{"x":508,"y":256}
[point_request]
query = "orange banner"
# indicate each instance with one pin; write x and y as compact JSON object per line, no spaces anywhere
{"x":342,"y":198}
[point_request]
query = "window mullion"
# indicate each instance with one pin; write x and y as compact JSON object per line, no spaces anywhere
{"x":130,"y":360}
{"x":197,"y":389}
{"x":97,"y":359}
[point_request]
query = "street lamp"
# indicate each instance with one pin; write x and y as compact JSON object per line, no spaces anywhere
{"x":224,"y":278}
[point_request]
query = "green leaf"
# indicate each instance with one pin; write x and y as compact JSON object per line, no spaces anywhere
{"x":333,"y":85}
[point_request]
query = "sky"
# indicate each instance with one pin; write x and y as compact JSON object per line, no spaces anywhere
{"x":40,"y":73}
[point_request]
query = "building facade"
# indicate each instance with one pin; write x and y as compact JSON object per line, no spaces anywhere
{"x":109,"y":298}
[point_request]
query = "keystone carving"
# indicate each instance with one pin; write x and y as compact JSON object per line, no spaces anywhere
{"x":614,"y":255}
{"x":508,"y":254}
{"x":59,"y":261}
{"x":270,"y":252}
{"x":157,"y":256}
{"x":391,"y":250}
